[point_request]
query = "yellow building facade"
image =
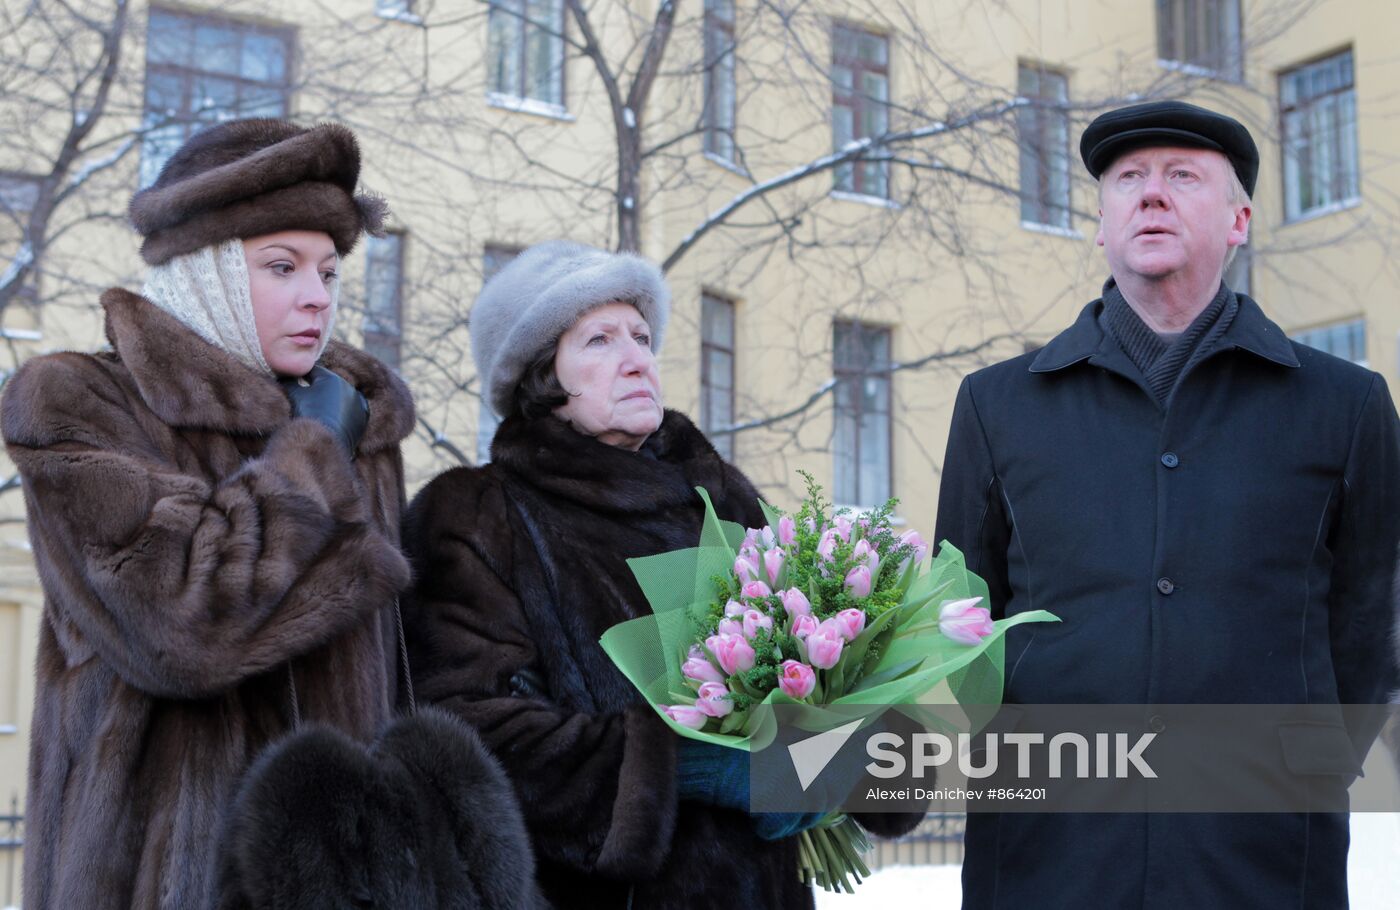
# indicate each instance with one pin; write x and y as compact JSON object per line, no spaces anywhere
{"x":857,"y":202}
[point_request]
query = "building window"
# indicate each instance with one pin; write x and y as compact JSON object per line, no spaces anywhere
{"x":860,"y":67}
{"x":495,"y":257}
{"x":526,"y":50}
{"x":1318,"y":104}
{"x":1239,"y":273}
{"x":1043,"y":128}
{"x":862,"y":428}
{"x":19,"y":193}
{"x":719,"y":78}
{"x":1204,"y":34}
{"x":383,"y":324}
{"x":202,"y":70}
{"x":1346,"y":340}
{"x":395,"y":9}
{"x":11,"y":660}
{"x":717,"y":370}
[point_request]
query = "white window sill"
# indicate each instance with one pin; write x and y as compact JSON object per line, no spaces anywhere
{"x":1195,"y":69}
{"x":1323,"y":211}
{"x":863,"y":199}
{"x":8,"y":729}
{"x":21,"y":335}
{"x":726,"y":163}
{"x":405,"y":17}
{"x":1053,"y":230}
{"x":529,"y":106}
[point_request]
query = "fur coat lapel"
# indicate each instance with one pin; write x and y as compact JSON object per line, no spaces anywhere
{"x":188,"y":382}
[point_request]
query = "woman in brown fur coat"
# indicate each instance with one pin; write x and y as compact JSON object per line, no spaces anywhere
{"x":521,"y":566}
{"x":214,"y":508}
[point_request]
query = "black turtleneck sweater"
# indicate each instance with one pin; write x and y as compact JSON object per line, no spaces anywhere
{"x":1163,"y":362}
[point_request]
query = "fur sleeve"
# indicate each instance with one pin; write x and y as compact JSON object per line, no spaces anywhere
{"x":185,"y":587}
{"x":598,"y":791}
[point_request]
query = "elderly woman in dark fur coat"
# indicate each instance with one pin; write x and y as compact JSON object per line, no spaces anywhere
{"x":520,"y":566}
{"x":214,"y":506}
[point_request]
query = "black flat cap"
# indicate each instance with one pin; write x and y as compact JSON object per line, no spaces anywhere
{"x":1169,"y":123}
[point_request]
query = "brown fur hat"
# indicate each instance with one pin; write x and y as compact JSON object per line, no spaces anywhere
{"x":244,"y":178}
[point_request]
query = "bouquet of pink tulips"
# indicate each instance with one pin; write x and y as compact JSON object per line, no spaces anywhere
{"x":819,"y":609}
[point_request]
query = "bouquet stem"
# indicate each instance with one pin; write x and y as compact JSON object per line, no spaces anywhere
{"x":829,"y":855}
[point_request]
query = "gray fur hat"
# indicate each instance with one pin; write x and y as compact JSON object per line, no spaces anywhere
{"x":526,"y":306}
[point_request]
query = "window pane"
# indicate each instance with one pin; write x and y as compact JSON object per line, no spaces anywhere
{"x":168,"y":39}
{"x":1320,"y":161}
{"x":504,"y":34}
{"x":216,"y":49}
{"x":264,"y":58}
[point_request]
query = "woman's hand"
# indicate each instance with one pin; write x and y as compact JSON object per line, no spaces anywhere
{"x":323,"y":396}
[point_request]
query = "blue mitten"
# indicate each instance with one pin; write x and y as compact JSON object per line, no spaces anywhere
{"x":711,"y":774}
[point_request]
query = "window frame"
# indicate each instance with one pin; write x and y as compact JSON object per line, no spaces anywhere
{"x":1173,"y":28}
{"x":186,"y":117}
{"x":382,"y":337}
{"x":724,"y":446}
{"x":854,"y":182}
{"x":518,"y":100}
{"x":717,"y":134}
{"x":1340,"y":200}
{"x":1311,"y":336}
{"x":1045,"y":115}
{"x":840,"y":374}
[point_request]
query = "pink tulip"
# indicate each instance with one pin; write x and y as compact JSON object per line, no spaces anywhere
{"x":696,"y":653}
{"x":701,"y":670}
{"x":826,"y":546}
{"x":750,"y":538}
{"x":773,"y":563}
{"x":745,"y":569}
{"x":734,"y":653}
{"x":811,"y":525}
{"x":753,"y":621}
{"x":804,"y":625}
{"x":964,"y":621}
{"x":787,"y":531}
{"x":850,"y":623}
{"x":797,"y":680}
{"x":730,"y":626}
{"x":858,"y":582}
{"x":767,"y":537}
{"x":843,"y":528}
{"x":686,"y":715}
{"x":912,"y":539}
{"x":714,"y":700}
{"x":795,"y":602}
{"x":824,"y":646}
{"x":755,"y":589}
{"x":867,"y":554}
{"x":732,"y":607}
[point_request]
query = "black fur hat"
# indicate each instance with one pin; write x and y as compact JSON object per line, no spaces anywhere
{"x":244,"y":178}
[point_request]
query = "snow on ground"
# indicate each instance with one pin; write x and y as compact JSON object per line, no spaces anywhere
{"x":1373,"y":874}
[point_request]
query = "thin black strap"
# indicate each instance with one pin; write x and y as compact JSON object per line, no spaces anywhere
{"x":403,"y":660}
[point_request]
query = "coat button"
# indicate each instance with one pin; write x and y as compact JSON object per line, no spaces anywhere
{"x":1156,"y":724}
{"x":1170,"y":460}
{"x":1165,"y":585}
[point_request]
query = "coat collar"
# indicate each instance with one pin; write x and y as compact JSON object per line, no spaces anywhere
{"x":188,"y":382}
{"x":557,"y":460}
{"x":1250,"y":331}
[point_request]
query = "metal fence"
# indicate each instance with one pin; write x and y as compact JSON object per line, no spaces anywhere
{"x":937,"y":841}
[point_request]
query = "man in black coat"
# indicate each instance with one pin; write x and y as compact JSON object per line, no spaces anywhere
{"x":1211,"y":509}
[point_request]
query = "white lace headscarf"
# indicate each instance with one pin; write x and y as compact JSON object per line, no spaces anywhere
{"x":208,"y":290}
